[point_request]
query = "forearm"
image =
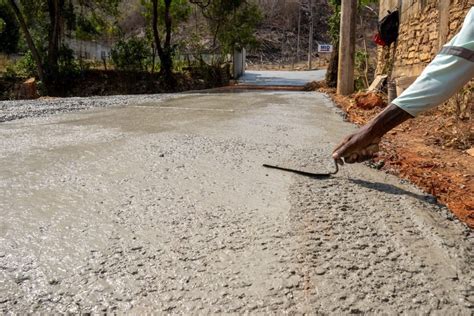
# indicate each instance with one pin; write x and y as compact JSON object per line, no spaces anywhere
{"x":388,"y":119}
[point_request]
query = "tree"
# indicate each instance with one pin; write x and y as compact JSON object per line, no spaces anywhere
{"x":334,"y":27}
{"x":163,"y":16}
{"x":130,"y":54}
{"x":164,"y":49}
{"x":9,"y":30}
{"x":232,"y":22}
{"x":29,"y":40}
{"x":311,"y":35}
{"x":46,"y":22}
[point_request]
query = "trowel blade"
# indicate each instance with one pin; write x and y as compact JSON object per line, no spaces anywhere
{"x":300,"y":172}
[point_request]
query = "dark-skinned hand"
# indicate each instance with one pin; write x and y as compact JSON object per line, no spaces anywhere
{"x":357,"y":147}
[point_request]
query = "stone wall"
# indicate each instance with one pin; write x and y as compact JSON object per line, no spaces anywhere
{"x":425,"y":25}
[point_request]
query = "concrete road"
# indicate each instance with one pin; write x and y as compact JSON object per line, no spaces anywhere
{"x":281,"y":78}
{"x":164,"y":207}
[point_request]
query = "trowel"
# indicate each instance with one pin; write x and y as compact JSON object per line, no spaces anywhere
{"x":306,"y":173}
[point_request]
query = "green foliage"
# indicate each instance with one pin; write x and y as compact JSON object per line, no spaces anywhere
{"x":360,"y":59}
{"x":232,"y":22}
{"x":367,"y":2}
{"x":68,"y":66}
{"x":335,"y":21}
{"x":25,"y":67}
{"x":9,"y":30}
{"x":360,"y":65}
{"x":83,"y":19}
{"x":2,"y":25}
{"x":93,"y":18}
{"x":88,"y":27}
{"x":131,"y":54}
{"x":238,"y":30}
{"x":179,"y":10}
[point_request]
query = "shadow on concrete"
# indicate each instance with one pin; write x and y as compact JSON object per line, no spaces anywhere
{"x":391,"y":189}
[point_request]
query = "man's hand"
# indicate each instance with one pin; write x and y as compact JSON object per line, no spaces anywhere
{"x":357,"y":147}
{"x":364,"y":144}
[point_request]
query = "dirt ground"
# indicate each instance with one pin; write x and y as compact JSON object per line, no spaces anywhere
{"x":430,"y":151}
{"x":300,"y":66}
{"x":162,"y":205}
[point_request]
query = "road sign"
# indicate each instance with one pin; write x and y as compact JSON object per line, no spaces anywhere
{"x":324,"y":48}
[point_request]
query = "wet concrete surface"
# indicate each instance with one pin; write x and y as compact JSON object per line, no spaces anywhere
{"x":164,"y":207}
{"x":280,"y":77}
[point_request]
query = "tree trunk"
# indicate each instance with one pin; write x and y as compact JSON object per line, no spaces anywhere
{"x":345,"y":77}
{"x":311,"y":30}
{"x":164,"y":52}
{"x":167,"y":62}
{"x":331,"y":73}
{"x":29,"y":40}
{"x":299,"y":33}
{"x":54,"y":8}
{"x":153,"y":56}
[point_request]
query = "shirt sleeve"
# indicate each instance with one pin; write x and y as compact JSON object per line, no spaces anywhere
{"x":443,"y":77}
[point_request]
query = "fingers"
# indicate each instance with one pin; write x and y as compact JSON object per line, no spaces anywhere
{"x":340,"y":149}
{"x":358,"y":157}
{"x":357,"y":147}
{"x":346,"y":155}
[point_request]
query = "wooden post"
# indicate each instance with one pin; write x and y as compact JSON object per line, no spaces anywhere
{"x":345,"y":73}
{"x":310,"y":40}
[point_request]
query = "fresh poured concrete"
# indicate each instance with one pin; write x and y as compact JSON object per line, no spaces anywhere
{"x":164,"y":207}
{"x":281,"y":78}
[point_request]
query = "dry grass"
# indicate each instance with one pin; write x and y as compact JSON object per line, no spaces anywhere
{"x":4,"y":63}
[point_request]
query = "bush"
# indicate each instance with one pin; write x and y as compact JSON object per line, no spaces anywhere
{"x":130,"y":55}
{"x":25,"y":66}
{"x":68,"y":65}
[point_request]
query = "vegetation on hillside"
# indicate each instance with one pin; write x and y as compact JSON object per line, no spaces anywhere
{"x":167,"y":37}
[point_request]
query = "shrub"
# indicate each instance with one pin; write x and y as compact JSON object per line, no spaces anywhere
{"x":24,"y":67}
{"x":130,"y":55}
{"x":68,"y":65}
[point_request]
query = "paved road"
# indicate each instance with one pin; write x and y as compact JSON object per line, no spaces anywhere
{"x":164,"y":207}
{"x":281,"y":78}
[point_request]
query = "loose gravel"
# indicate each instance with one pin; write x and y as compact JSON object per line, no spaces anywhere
{"x":13,"y":110}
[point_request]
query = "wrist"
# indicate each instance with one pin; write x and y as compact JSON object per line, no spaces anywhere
{"x":388,"y":119}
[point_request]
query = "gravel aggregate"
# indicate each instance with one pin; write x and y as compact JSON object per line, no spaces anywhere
{"x":160,"y":204}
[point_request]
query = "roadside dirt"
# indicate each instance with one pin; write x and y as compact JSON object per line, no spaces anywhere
{"x":96,"y":82}
{"x":300,"y":66}
{"x":430,"y":151}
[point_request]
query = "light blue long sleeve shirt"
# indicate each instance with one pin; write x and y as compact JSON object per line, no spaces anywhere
{"x":443,"y":77}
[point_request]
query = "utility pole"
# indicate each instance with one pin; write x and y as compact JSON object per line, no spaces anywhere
{"x":345,"y":73}
{"x":311,"y":30}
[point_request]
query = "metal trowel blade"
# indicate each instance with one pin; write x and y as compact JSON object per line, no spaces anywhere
{"x":304,"y":173}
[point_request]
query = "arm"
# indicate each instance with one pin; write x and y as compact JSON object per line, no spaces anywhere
{"x":450,"y":70}
{"x":363,"y":144}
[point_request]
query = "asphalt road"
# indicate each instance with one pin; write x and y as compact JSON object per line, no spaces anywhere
{"x":164,"y":207}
